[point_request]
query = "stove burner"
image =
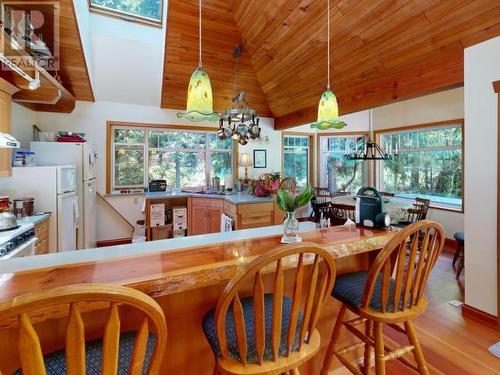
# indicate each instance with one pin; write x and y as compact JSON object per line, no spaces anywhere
{"x":9,"y":229}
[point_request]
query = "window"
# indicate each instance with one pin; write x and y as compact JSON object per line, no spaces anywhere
{"x":335,"y":173}
{"x":296,"y":159}
{"x":182,"y":158}
{"x":147,"y":11}
{"x":429,"y":164}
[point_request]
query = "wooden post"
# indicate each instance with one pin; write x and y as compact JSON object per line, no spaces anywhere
{"x":496,"y":87}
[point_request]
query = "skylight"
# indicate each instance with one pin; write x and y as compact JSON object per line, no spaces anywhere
{"x":146,"y":11}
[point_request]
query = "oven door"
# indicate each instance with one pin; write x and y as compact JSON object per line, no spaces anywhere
{"x":25,"y":250}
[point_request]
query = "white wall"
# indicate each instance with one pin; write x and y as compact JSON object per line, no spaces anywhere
{"x":482,"y":67}
{"x":441,"y":106}
{"x":23,"y":120}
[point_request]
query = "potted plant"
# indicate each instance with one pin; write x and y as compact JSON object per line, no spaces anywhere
{"x":289,"y":203}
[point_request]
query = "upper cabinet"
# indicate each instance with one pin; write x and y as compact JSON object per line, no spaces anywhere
{"x":42,"y":55}
{"x":6,"y":92}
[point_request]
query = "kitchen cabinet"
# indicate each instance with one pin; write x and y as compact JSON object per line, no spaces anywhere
{"x":252,"y":215}
{"x":204,"y":215}
{"x":6,"y":92}
{"x":42,"y":245}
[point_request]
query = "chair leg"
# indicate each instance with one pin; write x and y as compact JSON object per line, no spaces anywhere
{"x":460,"y":267}
{"x":335,"y":335}
{"x":379,"y":349}
{"x":368,"y":349}
{"x":417,"y":352}
{"x":455,"y":257}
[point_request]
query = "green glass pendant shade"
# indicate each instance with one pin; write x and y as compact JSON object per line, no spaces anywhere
{"x":199,"y":99}
{"x":328,"y":112}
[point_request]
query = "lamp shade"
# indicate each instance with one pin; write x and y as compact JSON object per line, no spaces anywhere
{"x":199,"y":99}
{"x":245,"y":160}
{"x":328,"y":112}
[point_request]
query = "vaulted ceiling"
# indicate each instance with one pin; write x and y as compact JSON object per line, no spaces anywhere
{"x":382,"y":51}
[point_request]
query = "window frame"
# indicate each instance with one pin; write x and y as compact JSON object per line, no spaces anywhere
{"x":417,"y":127}
{"x":367,"y":168}
{"x":310,"y":150}
{"x":110,"y":150}
{"x":126,"y":16}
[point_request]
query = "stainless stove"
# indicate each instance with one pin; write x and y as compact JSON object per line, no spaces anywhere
{"x":17,"y":242}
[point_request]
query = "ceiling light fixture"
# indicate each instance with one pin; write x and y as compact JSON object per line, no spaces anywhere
{"x":239,"y":122}
{"x":199,"y":98}
{"x":328,"y":109}
{"x":371,"y":150}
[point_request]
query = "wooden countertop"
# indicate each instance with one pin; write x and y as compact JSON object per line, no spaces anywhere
{"x":168,"y":272}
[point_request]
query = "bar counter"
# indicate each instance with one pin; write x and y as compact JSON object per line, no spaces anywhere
{"x":186,"y":282}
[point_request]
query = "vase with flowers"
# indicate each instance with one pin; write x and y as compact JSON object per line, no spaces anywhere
{"x":289,"y":203}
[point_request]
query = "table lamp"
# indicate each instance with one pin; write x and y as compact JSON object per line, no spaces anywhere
{"x":245,"y":162}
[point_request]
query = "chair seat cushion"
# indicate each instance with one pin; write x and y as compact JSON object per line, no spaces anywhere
{"x":55,"y":363}
{"x":210,"y":331}
{"x":349,"y":289}
{"x":459,"y":236}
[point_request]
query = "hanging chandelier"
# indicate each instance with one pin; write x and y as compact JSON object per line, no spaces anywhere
{"x":328,"y":108}
{"x":371,"y":150}
{"x":239,"y":122}
{"x":199,"y":97}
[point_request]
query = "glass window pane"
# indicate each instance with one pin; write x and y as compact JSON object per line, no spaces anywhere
{"x":143,"y":8}
{"x":129,"y":166}
{"x":216,"y":143}
{"x":129,"y":136}
{"x":221,"y":164}
{"x":296,"y":164}
{"x":178,"y":140}
{"x":179,"y":169}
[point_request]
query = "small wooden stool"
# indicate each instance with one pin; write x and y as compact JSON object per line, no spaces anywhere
{"x":459,"y":253}
{"x":270,"y":332}
{"x":391,"y":293}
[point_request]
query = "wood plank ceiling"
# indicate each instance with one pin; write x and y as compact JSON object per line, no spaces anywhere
{"x":382,"y":51}
{"x":73,"y":70}
{"x":220,"y":35}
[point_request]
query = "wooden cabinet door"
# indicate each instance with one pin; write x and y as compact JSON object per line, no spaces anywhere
{"x":199,"y":220}
{"x":213,"y":219}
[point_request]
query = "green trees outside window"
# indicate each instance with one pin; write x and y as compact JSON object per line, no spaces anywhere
{"x":296,"y":159}
{"x":182,"y":158}
{"x":143,"y":8}
{"x":429,"y":164}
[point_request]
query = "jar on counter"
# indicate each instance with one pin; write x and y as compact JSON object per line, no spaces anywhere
{"x":24,"y":207}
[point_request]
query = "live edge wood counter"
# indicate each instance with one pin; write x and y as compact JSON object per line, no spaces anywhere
{"x":186,"y":283}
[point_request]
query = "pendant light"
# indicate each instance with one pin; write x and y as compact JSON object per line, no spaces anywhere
{"x":328,"y":108}
{"x":199,"y":97}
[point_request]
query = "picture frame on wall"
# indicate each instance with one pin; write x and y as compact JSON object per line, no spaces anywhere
{"x":260,"y":158}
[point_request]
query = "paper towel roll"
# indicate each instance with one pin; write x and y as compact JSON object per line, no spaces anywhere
{"x":228,"y":181}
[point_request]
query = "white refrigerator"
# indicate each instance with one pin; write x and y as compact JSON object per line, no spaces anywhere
{"x":54,"y":190}
{"x":82,"y":155}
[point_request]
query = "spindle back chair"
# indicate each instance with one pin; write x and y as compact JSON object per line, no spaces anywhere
{"x":314,"y":278}
{"x":342,"y":212}
{"x":390,"y":293}
{"x":32,"y":361}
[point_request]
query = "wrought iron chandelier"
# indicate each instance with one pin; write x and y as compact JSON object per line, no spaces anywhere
{"x":371,"y":150}
{"x":239,"y":122}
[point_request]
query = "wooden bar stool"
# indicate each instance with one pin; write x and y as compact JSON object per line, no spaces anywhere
{"x":391,"y":293}
{"x":459,"y":253}
{"x":135,"y":352}
{"x":271,"y":332}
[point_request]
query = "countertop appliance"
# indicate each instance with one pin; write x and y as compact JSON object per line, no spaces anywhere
{"x":370,"y":209}
{"x":54,"y":191}
{"x":18,"y":242}
{"x":84,"y":156}
{"x":157,"y":185}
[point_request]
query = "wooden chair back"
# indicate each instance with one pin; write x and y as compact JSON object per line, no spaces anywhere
{"x":309,"y":296}
{"x":424,"y":205}
{"x":324,"y":208}
{"x":407,"y":271}
{"x":416,"y":213}
{"x":342,"y":212}
{"x":30,"y":351}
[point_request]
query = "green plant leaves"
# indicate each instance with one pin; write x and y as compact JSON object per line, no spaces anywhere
{"x":289,"y":203}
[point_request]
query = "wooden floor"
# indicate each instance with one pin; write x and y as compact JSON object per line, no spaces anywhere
{"x":452,"y":345}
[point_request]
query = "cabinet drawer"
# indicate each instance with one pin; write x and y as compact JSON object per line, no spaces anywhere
{"x":42,"y":230}
{"x":255,"y":220}
{"x":206,"y":202}
{"x":42,"y":246}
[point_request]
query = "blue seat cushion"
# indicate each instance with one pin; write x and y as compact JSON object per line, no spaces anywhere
{"x":349,"y":289}
{"x":210,"y":331}
{"x":459,"y":236}
{"x":55,"y":363}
